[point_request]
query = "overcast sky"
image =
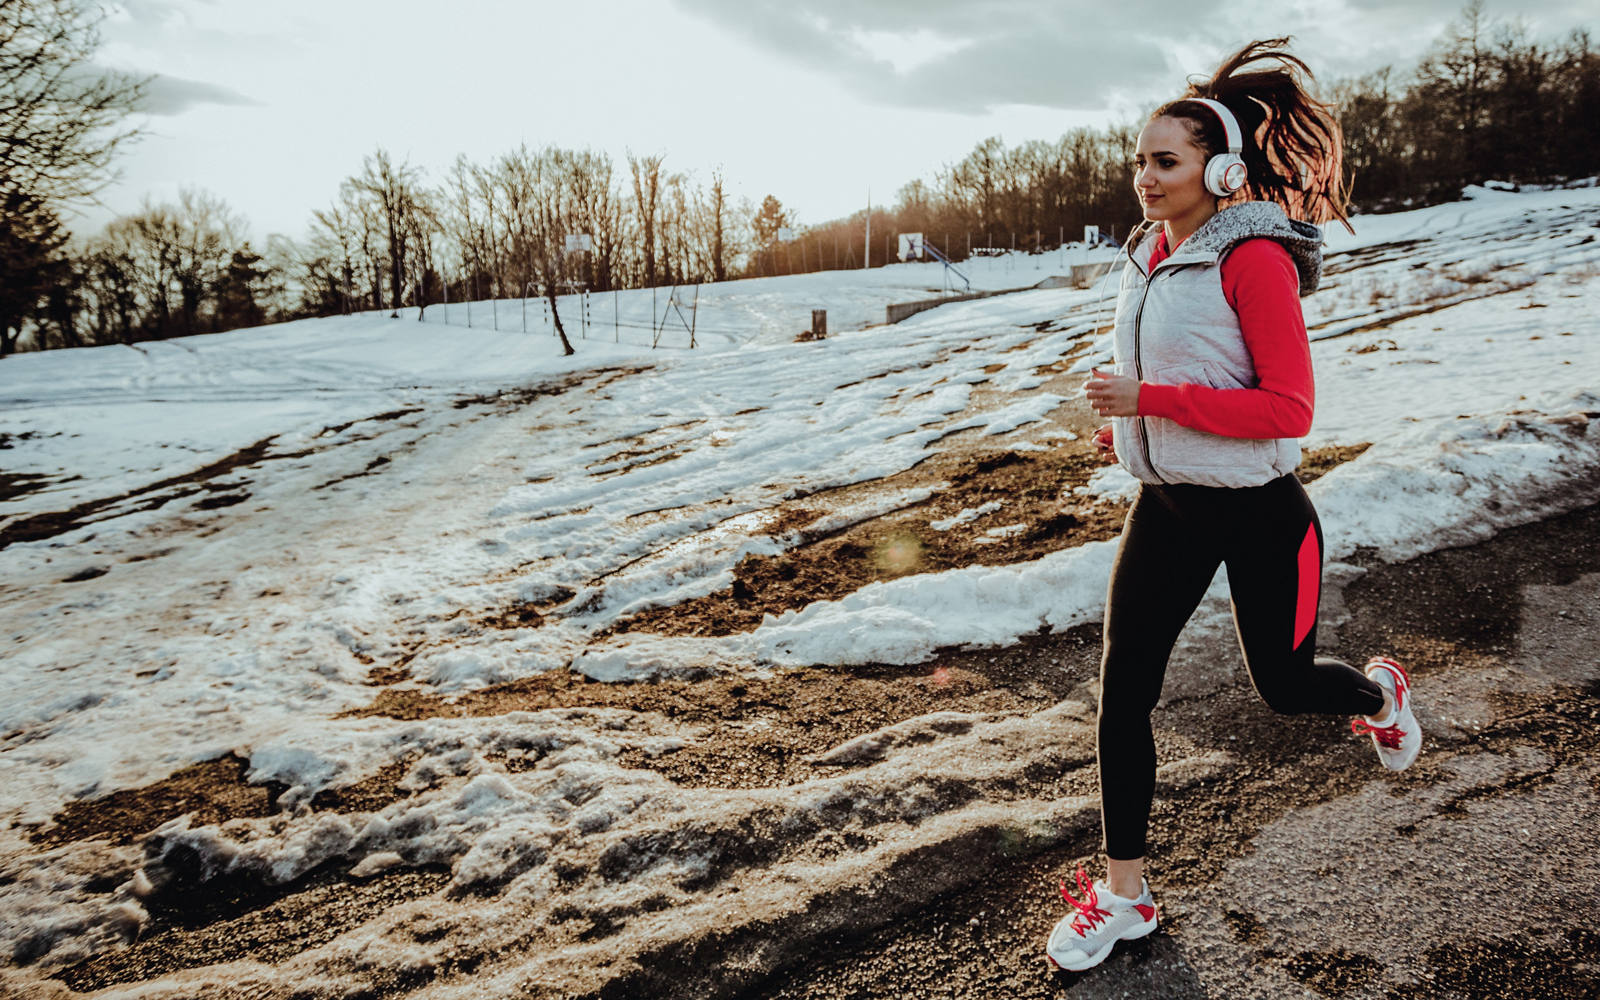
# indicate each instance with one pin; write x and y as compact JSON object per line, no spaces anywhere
{"x":270,"y":104}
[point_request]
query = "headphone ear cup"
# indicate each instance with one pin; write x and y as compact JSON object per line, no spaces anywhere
{"x":1225,"y":174}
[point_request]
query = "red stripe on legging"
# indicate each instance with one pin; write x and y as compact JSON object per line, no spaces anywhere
{"x":1309,"y":564}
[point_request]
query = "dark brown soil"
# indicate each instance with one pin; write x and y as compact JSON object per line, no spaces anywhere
{"x":13,"y":485}
{"x":798,"y":714}
{"x":218,"y":922}
{"x":1036,"y":488}
{"x":36,"y":527}
{"x":901,"y":543}
{"x":212,"y":791}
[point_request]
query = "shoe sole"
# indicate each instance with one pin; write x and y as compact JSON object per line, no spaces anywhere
{"x":1133,"y":933}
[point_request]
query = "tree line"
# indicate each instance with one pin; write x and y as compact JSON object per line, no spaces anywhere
{"x":1485,"y":101}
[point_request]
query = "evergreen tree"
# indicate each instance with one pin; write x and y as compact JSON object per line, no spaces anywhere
{"x":31,"y":239}
{"x":238,"y":291}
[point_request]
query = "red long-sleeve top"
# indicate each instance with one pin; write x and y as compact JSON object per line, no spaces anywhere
{"x":1260,"y":282}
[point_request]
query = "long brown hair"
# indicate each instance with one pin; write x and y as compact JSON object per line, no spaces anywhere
{"x":1293,"y":147}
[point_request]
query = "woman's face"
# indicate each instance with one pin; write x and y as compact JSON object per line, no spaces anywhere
{"x":1168,"y":177}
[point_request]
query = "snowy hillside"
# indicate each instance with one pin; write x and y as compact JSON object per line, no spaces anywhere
{"x":324,"y":547}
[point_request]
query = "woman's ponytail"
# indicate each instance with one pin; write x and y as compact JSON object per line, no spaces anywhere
{"x":1293,"y":146}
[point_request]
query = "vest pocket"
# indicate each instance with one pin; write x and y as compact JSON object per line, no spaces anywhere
{"x":1185,"y":454}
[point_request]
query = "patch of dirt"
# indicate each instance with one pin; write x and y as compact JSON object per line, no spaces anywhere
{"x":370,"y":794}
{"x":371,"y":467}
{"x":1318,"y":462}
{"x":332,"y":429}
{"x":213,"y":791}
{"x":217,"y":500}
{"x":37,"y":527}
{"x":505,"y":400}
{"x":1514,"y":967}
{"x":16,"y":484}
{"x":528,"y":615}
{"x":1029,"y":485}
{"x":217,"y":922}
{"x":1335,"y":974}
{"x":1368,"y":256}
{"x":1035,"y":489}
{"x":764,"y":732}
{"x":384,"y":676}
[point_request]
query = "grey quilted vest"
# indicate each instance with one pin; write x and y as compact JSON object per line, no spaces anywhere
{"x":1175,"y":326}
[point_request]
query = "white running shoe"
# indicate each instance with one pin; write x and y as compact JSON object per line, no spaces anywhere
{"x":1084,"y":938}
{"x":1398,"y":738}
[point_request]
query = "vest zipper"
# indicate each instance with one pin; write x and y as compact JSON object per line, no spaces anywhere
{"x":1138,"y":371}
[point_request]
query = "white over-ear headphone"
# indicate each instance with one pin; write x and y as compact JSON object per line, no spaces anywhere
{"x":1225,"y":172}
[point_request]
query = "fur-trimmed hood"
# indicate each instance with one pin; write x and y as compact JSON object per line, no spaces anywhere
{"x":1237,"y":223}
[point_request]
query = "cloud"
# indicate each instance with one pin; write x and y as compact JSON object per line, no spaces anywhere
{"x":1049,"y":54}
{"x":1075,"y":56}
{"x":173,"y":95}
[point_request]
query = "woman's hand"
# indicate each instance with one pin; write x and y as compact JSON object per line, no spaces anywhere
{"x":1103,"y":445}
{"x":1112,"y":395}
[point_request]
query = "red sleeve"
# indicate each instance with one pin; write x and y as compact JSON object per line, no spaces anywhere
{"x":1260,"y":282}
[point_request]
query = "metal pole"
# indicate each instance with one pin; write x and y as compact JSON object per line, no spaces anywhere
{"x":866,"y":245}
{"x":446,"y":284}
{"x":694,"y":314}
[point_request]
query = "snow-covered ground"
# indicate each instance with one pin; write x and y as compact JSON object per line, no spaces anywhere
{"x":763,"y":310}
{"x":405,"y":480}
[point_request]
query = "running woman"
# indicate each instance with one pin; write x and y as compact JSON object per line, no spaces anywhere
{"x":1209,"y":396}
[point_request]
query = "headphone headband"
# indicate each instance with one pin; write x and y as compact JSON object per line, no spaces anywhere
{"x":1230,"y":124}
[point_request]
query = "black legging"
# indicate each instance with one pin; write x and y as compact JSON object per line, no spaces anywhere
{"x":1172,"y":541}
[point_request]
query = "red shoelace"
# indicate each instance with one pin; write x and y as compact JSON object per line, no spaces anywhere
{"x":1090,"y":915}
{"x":1387,"y":736}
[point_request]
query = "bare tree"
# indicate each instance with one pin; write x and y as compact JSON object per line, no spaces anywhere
{"x":60,"y":117}
{"x":206,"y":232}
{"x":392,"y":190}
{"x":1453,"y":81}
{"x":517,"y":177}
{"x":646,"y":172}
{"x":716,"y":226}
{"x":673,"y":226}
{"x":110,"y":293}
{"x":596,"y":210}
{"x":550,"y":221}
{"x":335,"y":239}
